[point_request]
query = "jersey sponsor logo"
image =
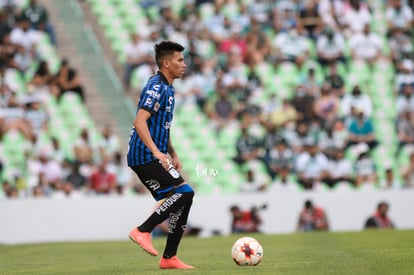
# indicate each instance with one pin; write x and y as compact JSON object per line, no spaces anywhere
{"x":174,"y":217}
{"x":174,"y":173}
{"x":167,"y":203}
{"x":156,"y":106}
{"x":156,"y":87}
{"x":153,"y":94}
{"x":170,"y":102}
{"x":148,"y":102}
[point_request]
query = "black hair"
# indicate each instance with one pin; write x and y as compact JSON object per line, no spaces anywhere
{"x":382,"y":204}
{"x":281,"y":140}
{"x":64,"y":62}
{"x":42,"y":68}
{"x":308,"y":204}
{"x":164,"y":49}
{"x":22,"y":17}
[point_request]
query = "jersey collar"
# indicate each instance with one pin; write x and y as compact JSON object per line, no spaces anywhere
{"x":163,"y":78}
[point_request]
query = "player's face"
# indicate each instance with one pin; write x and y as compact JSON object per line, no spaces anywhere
{"x":176,"y":65}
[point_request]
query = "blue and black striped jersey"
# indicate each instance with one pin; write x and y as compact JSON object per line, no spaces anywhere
{"x":157,"y":97}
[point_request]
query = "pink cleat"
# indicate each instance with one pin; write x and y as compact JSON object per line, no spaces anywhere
{"x":143,"y":239}
{"x":174,"y":263}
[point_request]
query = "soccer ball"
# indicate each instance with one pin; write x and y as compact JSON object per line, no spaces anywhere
{"x":247,"y":251}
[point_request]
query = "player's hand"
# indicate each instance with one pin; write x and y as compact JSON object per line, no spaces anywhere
{"x":176,"y":163}
{"x":164,"y":159}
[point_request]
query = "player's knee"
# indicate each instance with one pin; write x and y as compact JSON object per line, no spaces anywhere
{"x":191,"y":195}
{"x":187,"y":193}
{"x":185,"y":188}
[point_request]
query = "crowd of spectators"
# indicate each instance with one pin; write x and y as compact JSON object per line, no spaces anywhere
{"x":34,"y":159}
{"x":320,"y":133}
{"x":278,"y":71}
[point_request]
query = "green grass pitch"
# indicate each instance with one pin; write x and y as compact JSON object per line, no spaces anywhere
{"x":367,"y":252}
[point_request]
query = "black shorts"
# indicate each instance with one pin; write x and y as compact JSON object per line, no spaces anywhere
{"x":156,"y":179}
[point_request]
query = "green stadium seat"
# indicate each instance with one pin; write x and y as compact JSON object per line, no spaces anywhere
{"x":153,"y":13}
{"x":209,"y":147}
{"x":384,"y":69}
{"x":66,"y":142}
{"x":116,"y":31}
{"x":204,"y":185}
{"x":16,"y":81}
{"x":28,"y":75}
{"x":14,"y":146}
{"x":265,"y":72}
{"x":227,"y":141}
{"x":176,"y":6}
{"x":134,"y":17}
{"x":347,"y":50}
{"x":230,"y":11}
{"x":230,"y":181}
{"x":102,"y":7}
{"x":360,"y":72}
{"x":343,"y":187}
{"x":313,"y":53}
{"x":403,"y":157}
{"x":126,"y":3}
{"x":289,"y":73}
{"x":70,"y":100}
{"x":206,"y":11}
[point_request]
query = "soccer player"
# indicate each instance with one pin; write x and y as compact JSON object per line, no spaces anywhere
{"x":152,"y":157}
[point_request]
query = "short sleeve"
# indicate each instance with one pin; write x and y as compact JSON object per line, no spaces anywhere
{"x":151,"y":98}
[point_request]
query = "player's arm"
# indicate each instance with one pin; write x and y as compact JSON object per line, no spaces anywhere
{"x":171,"y":149}
{"x":140,"y":124}
{"x":175,"y":161}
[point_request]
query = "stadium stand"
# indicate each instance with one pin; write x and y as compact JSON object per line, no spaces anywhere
{"x":62,"y":118}
{"x":215,"y":33}
{"x":376,"y":80}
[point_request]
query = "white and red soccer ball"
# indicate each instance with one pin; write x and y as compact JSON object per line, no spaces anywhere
{"x":247,"y":251}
